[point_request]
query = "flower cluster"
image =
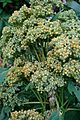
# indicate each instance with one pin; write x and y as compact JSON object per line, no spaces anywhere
{"x":42,"y":51}
{"x":32,"y":37}
{"x":67,"y":15}
{"x":28,"y":69}
{"x":19,"y":16}
{"x":65,"y":47}
{"x":46,"y":80}
{"x":14,"y":75}
{"x":72,"y":70}
{"x":25,"y":31}
{"x":25,"y":115}
{"x":63,"y":58}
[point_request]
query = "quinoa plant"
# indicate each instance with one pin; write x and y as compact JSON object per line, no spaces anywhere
{"x":41,"y":48}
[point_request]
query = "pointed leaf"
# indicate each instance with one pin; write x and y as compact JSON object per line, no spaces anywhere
{"x":1,"y":10}
{"x":74,"y":89}
{"x":74,"y":5}
{"x":3,"y":73}
{"x":28,"y":86}
{"x":70,"y":87}
{"x":27,"y":1}
{"x":54,"y":116}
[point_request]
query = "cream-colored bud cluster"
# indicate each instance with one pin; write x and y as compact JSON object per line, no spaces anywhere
{"x":67,"y":15}
{"x":38,"y":11}
{"x":58,"y":3}
{"x":46,"y":80}
{"x":75,"y":47}
{"x":6,"y":30}
{"x":14,"y":75}
{"x":54,"y":64}
{"x":19,"y":62}
{"x":42,"y":30}
{"x":72,"y":70}
{"x":42,"y":49}
{"x":64,"y":56}
{"x":18,"y":16}
{"x":65,"y":47}
{"x":28,"y":69}
{"x":25,"y":115}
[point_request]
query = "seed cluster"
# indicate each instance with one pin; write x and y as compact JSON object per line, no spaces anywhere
{"x":25,"y":115}
{"x":42,"y":51}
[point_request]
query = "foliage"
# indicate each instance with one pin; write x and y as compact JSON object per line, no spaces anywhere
{"x":5,"y":2}
{"x":74,"y":89}
{"x":6,"y":9}
{"x":30,"y":114}
{"x":56,"y":116}
{"x":75,"y":6}
{"x":43,"y":56}
{"x":3,"y":73}
{"x":8,"y":6}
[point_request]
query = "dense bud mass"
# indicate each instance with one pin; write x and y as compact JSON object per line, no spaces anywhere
{"x":42,"y":51}
{"x":25,"y":115}
{"x":29,"y":37}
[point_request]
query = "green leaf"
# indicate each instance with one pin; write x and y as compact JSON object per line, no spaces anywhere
{"x":70,"y":87}
{"x":5,"y":113}
{"x":1,"y":25}
{"x":1,"y":10}
{"x":55,"y":16}
{"x":27,"y":1}
{"x":3,"y":19}
{"x":5,"y":15}
{"x":5,"y":2}
{"x":61,"y":117}
{"x":74,"y":89}
{"x":28,"y":86}
{"x":72,"y":115}
{"x":56,"y":116}
{"x":74,"y":5}
{"x":3,"y":73}
{"x":3,"y":69}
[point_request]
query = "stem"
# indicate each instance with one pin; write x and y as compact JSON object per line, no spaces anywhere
{"x":43,"y":56}
{"x":57,"y":103}
{"x":35,"y":103}
{"x":62,"y":97}
{"x":36,"y":54}
{"x":65,"y":103}
{"x":72,"y":109}
{"x":40,"y":99}
{"x":41,"y":102}
{"x":4,"y":20}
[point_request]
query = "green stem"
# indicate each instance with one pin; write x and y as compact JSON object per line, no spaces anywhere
{"x":72,"y":109}
{"x":4,"y":20}
{"x":41,"y":102}
{"x":62,"y":97}
{"x":36,"y":54}
{"x":43,"y":56}
{"x":39,"y":98}
{"x":57,"y":103}
{"x":36,"y":103}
